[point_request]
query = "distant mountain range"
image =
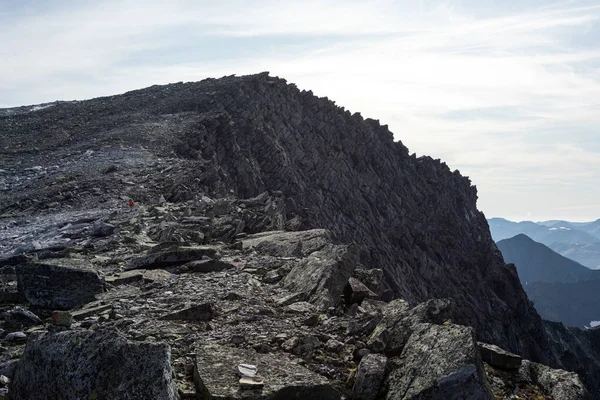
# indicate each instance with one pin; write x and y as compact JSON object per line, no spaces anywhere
{"x":561,"y":289}
{"x":579,"y":241}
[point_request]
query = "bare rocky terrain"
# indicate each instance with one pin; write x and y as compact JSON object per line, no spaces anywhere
{"x":273,"y":234}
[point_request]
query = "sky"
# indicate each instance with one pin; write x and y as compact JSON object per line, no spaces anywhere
{"x":507,"y":92}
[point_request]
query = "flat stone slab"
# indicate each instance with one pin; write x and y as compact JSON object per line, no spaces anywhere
{"x":216,"y":377}
{"x":200,"y":312}
{"x":170,"y":258}
{"x":499,"y":358}
{"x":59,"y":284}
{"x":288,"y":244}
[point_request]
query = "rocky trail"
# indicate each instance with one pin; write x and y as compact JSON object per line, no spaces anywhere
{"x":278,"y":247}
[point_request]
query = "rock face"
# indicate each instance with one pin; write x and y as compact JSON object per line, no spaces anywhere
{"x":93,"y":365}
{"x":215,"y":376}
{"x":58,"y":284}
{"x":439,"y":362}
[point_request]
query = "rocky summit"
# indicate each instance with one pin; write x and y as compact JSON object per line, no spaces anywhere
{"x":238,"y":238}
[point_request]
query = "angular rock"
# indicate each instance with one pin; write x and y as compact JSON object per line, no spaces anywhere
{"x":201,"y":312}
{"x":323,"y":274}
{"x":300,"y":307}
{"x":215,"y":376}
{"x":370,"y":278}
{"x":369,"y":377}
{"x":88,"y":312}
{"x":288,"y":244}
{"x":355,"y":292}
{"x":59,"y":284}
{"x":62,"y":318}
{"x":170,"y":258}
{"x":16,"y":337}
{"x":208,"y":265}
{"x":439,"y":362}
{"x":101,"y":365}
{"x":558,"y":383}
{"x":7,"y":368}
{"x":102,"y":229}
{"x":398,"y":322}
{"x":125,"y":278}
{"x":12,"y":260}
{"x":499,"y":358}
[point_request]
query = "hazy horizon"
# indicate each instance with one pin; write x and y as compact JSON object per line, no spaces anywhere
{"x":505,"y":92}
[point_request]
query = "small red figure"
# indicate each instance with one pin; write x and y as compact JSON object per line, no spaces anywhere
{"x":131,"y":203}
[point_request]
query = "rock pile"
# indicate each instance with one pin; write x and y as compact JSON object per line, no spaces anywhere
{"x":171,"y":320}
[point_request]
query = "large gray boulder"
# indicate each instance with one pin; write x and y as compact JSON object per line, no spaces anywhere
{"x":58,"y":284}
{"x":288,"y":244}
{"x":215,"y":376}
{"x":439,"y":362}
{"x":369,"y":377}
{"x":99,"y":365}
{"x":323,"y":275}
{"x":399,"y":320}
{"x":557,"y":383}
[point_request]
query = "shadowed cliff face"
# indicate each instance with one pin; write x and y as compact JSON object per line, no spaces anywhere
{"x":412,"y":217}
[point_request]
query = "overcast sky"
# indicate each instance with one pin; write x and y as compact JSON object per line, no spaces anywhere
{"x":506,"y":91}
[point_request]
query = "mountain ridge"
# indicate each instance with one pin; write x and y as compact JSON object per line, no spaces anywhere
{"x":412,"y":217}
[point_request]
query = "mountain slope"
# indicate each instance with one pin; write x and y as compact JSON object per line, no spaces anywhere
{"x":573,"y":303}
{"x":538,"y":263}
{"x":587,"y":254}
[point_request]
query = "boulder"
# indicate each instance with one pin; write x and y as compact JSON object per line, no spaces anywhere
{"x":399,"y":320}
{"x":288,"y":244}
{"x":369,"y":377}
{"x":323,"y":275}
{"x":557,"y":383}
{"x":499,"y":358}
{"x":59,"y":284}
{"x":100,"y":365}
{"x":102,"y":229}
{"x":170,"y":258}
{"x":439,"y":362}
{"x":215,"y":376}
{"x":370,"y":277}
{"x":355,"y":292}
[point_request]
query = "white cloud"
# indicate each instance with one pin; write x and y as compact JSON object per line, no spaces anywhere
{"x":485,"y":94}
